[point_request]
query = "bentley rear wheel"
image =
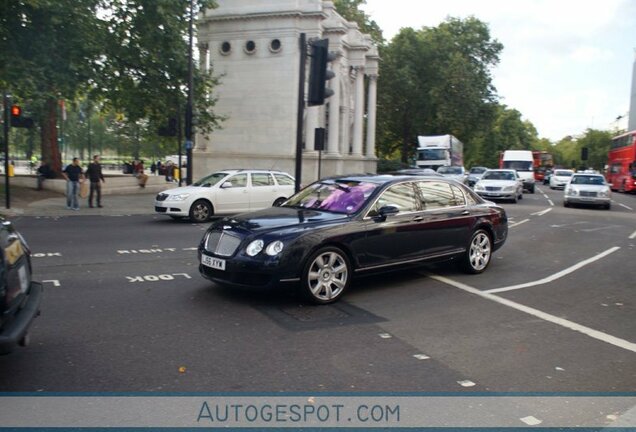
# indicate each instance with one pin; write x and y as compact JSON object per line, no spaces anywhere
{"x":479,"y":253}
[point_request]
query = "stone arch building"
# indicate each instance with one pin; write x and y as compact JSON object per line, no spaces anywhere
{"x":254,"y":46}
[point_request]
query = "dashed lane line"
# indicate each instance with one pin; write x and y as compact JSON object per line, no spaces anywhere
{"x":633,"y":236}
{"x":557,"y":275}
{"x":625,"y":206}
{"x":604,"y":337}
{"x":542,"y":212}
{"x":518,"y":223}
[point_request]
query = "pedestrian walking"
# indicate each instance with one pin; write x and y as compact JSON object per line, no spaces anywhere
{"x":95,"y":176}
{"x":140,"y":174}
{"x":73,"y":174}
{"x":44,"y":172}
{"x":169,"y":171}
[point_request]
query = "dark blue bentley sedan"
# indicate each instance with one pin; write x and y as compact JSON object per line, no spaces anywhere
{"x":344,"y":226}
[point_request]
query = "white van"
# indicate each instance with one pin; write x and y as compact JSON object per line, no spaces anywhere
{"x":522,"y":162}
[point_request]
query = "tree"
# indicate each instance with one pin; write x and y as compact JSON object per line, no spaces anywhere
{"x":127,"y":56}
{"x":145,"y":67}
{"x":436,"y":81}
{"x":49,"y":50}
{"x":350,"y":10}
{"x":568,"y":149}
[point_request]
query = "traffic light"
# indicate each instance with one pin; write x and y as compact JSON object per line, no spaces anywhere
{"x":318,"y":73}
{"x":170,"y":130}
{"x":17,"y":120}
{"x":583,"y":153}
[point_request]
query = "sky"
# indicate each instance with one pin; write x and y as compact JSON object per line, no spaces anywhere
{"x":566,"y":64}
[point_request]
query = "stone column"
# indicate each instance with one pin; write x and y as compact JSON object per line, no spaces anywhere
{"x":204,"y":64}
{"x":334,"y":116}
{"x":358,"y":116}
{"x":371,"y":104}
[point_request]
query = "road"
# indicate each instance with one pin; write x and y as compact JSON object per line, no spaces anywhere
{"x":125,"y":310}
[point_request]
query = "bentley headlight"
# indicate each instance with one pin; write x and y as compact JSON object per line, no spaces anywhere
{"x":274,"y":248}
{"x":178,"y":197}
{"x":254,"y":248}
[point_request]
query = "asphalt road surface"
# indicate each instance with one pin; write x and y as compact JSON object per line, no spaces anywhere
{"x":125,"y":310}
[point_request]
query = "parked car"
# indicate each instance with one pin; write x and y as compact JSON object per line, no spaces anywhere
{"x":500,"y":184}
{"x":589,"y":189}
{"x":559,"y":178}
{"x":20,"y":297}
{"x":226,"y":192}
{"x":473,"y":175}
{"x":454,"y":172}
{"x":344,"y":226}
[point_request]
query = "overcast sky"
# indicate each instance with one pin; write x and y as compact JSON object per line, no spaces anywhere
{"x":566,"y":64}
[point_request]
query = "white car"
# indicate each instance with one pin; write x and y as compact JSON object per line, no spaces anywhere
{"x":500,"y":184}
{"x":587,"y":189}
{"x":560,"y":177}
{"x":452,"y":172}
{"x":226,"y":192}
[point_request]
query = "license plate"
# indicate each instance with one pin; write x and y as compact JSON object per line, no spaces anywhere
{"x":215,"y":263}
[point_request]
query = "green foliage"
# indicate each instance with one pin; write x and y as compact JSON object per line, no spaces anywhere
{"x":389,"y":165}
{"x":568,"y":150}
{"x":129,"y":57}
{"x":350,"y":10}
{"x":436,"y":81}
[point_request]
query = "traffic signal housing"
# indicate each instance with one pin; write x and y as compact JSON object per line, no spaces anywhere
{"x":170,"y":130}
{"x":17,"y":120}
{"x":584,"y":153}
{"x":318,"y":73}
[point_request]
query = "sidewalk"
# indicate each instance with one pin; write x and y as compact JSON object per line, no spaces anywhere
{"x":29,"y":202}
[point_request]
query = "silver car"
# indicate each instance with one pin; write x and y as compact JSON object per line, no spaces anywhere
{"x":452,"y":172}
{"x":500,"y":184}
{"x":588,"y":189}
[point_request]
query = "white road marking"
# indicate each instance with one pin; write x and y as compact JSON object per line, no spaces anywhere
{"x":557,"y":275}
{"x":531,"y":421}
{"x":633,"y":236}
{"x":518,"y":223}
{"x":421,"y":356}
{"x":599,"y":228}
{"x":55,"y":282}
{"x":627,"y":207}
{"x":604,"y":337}
{"x":550,"y":202}
{"x":466,"y":383}
{"x":542,"y":212}
{"x":385,"y":336}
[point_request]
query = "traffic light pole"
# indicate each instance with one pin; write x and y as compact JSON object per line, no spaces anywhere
{"x":5,"y":108}
{"x":301,"y":111}
{"x":188,"y":111}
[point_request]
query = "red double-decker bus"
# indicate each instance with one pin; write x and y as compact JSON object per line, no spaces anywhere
{"x":542,"y":162}
{"x":621,"y":163}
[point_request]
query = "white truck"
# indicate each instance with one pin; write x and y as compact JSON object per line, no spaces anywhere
{"x":523,"y":162}
{"x":439,"y":150}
